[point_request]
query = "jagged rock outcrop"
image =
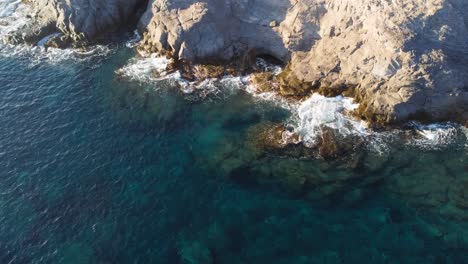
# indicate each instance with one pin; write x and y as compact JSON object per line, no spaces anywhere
{"x":78,"y":20}
{"x":404,"y":59}
{"x":401,"y":59}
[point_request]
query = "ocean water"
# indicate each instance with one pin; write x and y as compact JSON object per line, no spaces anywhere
{"x":102,"y":163}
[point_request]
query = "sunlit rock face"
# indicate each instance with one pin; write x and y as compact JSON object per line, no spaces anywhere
{"x":199,"y":30}
{"x":403,"y":59}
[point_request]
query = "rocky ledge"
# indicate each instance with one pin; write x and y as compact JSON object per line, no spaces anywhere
{"x":78,"y":23}
{"x":401,"y":59}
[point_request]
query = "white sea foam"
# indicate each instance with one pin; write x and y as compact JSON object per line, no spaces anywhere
{"x":13,"y":15}
{"x":308,"y":117}
{"x":265,"y":66}
{"x":146,"y":69}
{"x":437,"y":135}
{"x":465,"y":133}
{"x":152,"y":69}
{"x":211,"y":88}
{"x":318,"y":111}
{"x":133,"y":41}
{"x":43,"y":41}
{"x":36,"y":55}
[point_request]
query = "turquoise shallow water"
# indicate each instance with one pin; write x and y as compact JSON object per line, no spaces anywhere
{"x":98,"y":169}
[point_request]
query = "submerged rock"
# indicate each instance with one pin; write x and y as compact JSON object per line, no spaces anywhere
{"x":269,"y":136}
{"x":195,"y":253}
{"x":332,"y":145}
{"x":424,"y":181}
{"x":329,"y":169}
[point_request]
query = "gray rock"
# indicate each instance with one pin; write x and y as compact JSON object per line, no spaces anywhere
{"x":201,"y":30}
{"x":81,"y":20}
{"x":406,"y":58}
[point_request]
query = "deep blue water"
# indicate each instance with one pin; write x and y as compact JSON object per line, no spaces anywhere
{"x":98,"y":169}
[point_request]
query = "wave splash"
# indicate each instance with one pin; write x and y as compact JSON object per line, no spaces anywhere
{"x":319,"y":111}
{"x":438,"y":135}
{"x":147,"y":69}
{"x":309,"y":116}
{"x":153,"y":69}
{"x":14,"y":14}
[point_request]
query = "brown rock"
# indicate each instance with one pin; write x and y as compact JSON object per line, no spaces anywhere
{"x":264,"y":82}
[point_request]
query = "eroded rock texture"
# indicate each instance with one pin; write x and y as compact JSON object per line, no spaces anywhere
{"x":78,"y":20}
{"x":404,"y":59}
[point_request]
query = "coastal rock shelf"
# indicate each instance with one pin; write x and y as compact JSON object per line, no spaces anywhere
{"x":401,"y":59}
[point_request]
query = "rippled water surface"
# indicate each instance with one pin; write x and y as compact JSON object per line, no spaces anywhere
{"x":96,"y":168}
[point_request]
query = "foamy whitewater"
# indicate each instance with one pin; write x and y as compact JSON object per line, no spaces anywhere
{"x":437,"y":135}
{"x":319,"y":111}
{"x":13,"y":16}
{"x":152,"y":68}
{"x":308,"y":116}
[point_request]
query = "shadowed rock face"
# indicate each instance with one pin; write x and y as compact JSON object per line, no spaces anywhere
{"x":200,"y":30}
{"x":79,"y":20}
{"x":405,"y":58}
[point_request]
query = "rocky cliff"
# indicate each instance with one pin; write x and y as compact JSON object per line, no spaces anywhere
{"x":77,"y":21}
{"x":402,"y":59}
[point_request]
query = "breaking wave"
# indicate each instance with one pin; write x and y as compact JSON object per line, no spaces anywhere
{"x":308,"y":117}
{"x":149,"y":69}
{"x":134,"y":40}
{"x":438,"y":135}
{"x":14,"y":14}
{"x":319,"y":111}
{"x":36,"y":55}
{"x":153,"y":69}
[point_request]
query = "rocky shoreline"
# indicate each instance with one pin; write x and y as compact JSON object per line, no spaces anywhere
{"x":401,"y":60}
